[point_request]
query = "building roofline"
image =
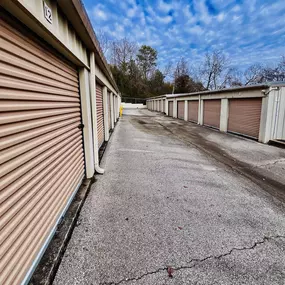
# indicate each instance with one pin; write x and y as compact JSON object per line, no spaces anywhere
{"x":234,"y":89}
{"x":77,"y":15}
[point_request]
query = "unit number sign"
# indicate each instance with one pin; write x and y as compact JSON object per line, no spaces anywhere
{"x":48,"y":13}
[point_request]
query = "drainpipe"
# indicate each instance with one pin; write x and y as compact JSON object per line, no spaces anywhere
{"x":277,"y":100}
{"x":98,"y":169}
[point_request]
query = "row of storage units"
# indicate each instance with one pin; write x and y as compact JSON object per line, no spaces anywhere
{"x":156,"y":105}
{"x":53,"y":86}
{"x":257,"y":112}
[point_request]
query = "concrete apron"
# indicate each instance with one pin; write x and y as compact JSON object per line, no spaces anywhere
{"x":166,"y":207}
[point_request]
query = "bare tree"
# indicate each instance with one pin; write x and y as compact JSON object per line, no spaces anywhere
{"x":258,"y":73}
{"x":253,"y":74}
{"x":104,"y":41}
{"x":167,"y":70}
{"x":181,"y":69}
{"x":215,"y":70}
{"x":122,"y":51}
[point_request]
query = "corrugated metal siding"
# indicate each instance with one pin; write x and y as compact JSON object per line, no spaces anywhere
{"x":115,"y":107}
{"x":109,"y":111}
{"x":212,"y":111}
{"x":170,"y":108}
{"x":180,"y":109}
{"x":244,"y":116}
{"x":42,"y":159}
{"x":100,"y":115}
{"x":193,"y":111}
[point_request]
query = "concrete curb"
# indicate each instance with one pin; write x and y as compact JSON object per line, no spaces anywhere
{"x":49,"y":264}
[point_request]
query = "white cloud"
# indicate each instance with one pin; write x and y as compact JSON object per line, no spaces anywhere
{"x":98,"y":12}
{"x":221,"y":17}
{"x":163,"y":6}
{"x":164,"y":20}
{"x":202,"y":10}
{"x":131,"y":12}
{"x":196,"y":30}
{"x":236,"y":8}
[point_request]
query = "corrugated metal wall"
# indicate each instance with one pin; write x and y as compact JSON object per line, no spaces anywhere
{"x":212,"y":111}
{"x":170,"y":108}
{"x":100,"y":115}
{"x":42,"y":159}
{"x":193,"y":111}
{"x":180,"y":109}
{"x":244,"y":116}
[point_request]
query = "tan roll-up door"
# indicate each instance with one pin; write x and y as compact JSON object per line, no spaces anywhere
{"x":109,"y":111}
{"x":212,"y":111}
{"x":193,"y":111}
{"x":163,"y":106}
{"x":100,"y":115}
{"x":244,"y":116}
{"x":41,"y":161}
{"x":180,"y":109}
{"x":170,"y":108}
{"x":115,"y":107}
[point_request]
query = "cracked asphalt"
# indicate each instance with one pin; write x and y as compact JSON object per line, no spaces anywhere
{"x":207,"y":205}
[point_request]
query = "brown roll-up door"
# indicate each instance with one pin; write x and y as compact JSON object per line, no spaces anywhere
{"x":170,"y":108}
{"x":109,"y":111}
{"x":180,"y":109}
{"x":212,"y":111}
{"x":193,"y":111}
{"x":244,"y":116}
{"x":41,"y":162}
{"x":100,"y":115}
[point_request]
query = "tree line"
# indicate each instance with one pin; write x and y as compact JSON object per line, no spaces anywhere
{"x":136,"y":71}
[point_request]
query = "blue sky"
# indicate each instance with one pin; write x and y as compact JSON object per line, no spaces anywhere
{"x":248,"y":31}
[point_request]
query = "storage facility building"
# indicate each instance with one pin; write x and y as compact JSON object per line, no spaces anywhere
{"x":58,"y":104}
{"x":256,"y":111}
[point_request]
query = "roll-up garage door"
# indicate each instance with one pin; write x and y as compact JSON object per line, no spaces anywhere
{"x":163,"y":106}
{"x":180,"y":109}
{"x":109,"y":111}
{"x":100,"y":115}
{"x":41,"y":162}
{"x":212,"y":111}
{"x":244,"y":116}
{"x":170,"y":108}
{"x":193,"y":111}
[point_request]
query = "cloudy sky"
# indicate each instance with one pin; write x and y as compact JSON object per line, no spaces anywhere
{"x":247,"y":30}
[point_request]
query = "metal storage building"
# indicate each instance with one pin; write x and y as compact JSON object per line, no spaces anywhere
{"x":52,"y":122}
{"x":256,"y":111}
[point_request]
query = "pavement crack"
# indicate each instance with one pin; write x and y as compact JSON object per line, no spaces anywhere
{"x":195,"y":261}
{"x":270,"y":163}
{"x":135,"y":278}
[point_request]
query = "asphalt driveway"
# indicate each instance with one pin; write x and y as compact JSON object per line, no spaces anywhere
{"x":180,"y":200}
